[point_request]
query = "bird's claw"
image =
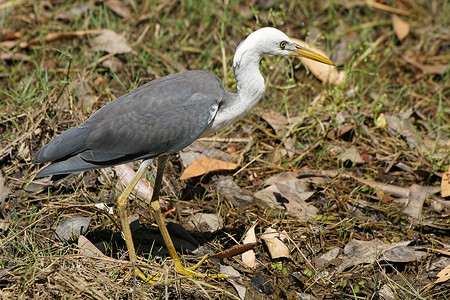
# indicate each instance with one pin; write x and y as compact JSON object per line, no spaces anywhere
{"x":180,"y":269}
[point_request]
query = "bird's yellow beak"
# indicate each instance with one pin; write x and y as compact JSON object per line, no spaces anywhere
{"x":307,"y":53}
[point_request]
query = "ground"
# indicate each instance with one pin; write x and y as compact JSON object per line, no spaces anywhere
{"x":350,"y":176}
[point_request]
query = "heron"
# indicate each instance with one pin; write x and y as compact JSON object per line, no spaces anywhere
{"x":162,"y":117}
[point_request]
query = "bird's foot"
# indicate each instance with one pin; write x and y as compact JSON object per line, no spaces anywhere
{"x":180,"y":269}
{"x":190,"y":271}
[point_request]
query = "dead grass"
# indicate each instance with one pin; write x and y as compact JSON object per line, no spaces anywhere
{"x":50,"y":83}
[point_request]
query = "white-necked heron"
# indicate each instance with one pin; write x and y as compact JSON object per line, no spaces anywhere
{"x":162,"y":117}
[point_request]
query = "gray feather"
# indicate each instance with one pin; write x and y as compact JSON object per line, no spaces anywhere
{"x":162,"y":116}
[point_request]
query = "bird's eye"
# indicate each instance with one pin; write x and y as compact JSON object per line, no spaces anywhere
{"x":283,"y":44}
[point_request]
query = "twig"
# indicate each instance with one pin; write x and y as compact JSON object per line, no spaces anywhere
{"x":370,"y":49}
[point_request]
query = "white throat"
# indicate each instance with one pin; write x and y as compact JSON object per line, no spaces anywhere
{"x":250,"y":87}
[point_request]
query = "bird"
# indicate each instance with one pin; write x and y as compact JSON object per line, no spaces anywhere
{"x":162,"y":117}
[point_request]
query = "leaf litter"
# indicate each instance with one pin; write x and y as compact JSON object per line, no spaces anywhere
{"x":394,"y":195}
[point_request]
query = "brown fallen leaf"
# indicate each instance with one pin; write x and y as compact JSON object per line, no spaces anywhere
{"x":276,"y":120}
{"x":203,"y":148}
{"x":119,"y":8}
{"x":249,"y":257}
{"x":445,"y":184}
{"x":443,"y":275}
{"x":111,"y":42}
{"x":397,"y":124}
{"x":352,"y":155}
{"x":233,"y":193}
{"x":276,"y":247}
{"x":417,"y":196}
{"x":325,"y":73}
{"x":365,"y":252}
{"x":87,"y":248}
{"x":143,"y":189}
{"x":339,"y":131}
{"x":234,"y":250}
{"x":74,"y":12}
{"x":206,"y":222}
{"x":401,"y":27}
{"x":296,"y":205}
{"x":4,"y":191}
{"x":324,"y":259}
{"x":205,"y":165}
{"x":72,"y":228}
{"x":403,"y":254}
{"x":426,"y":69}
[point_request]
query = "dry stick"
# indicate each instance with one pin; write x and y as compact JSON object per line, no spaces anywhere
{"x":141,"y":36}
{"x":226,"y":140}
{"x":66,"y":76}
{"x":224,"y":64}
{"x":59,"y":35}
{"x":394,"y":159}
{"x":214,"y":288}
{"x":8,"y":148}
{"x":371,"y":48}
{"x":102,"y":59}
{"x":371,"y":136}
{"x":387,"y":8}
{"x":245,"y":150}
{"x":249,"y":163}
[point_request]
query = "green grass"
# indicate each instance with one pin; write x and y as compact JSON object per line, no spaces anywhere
{"x":170,"y":36}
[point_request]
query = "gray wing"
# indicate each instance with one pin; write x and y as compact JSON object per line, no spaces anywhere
{"x":162,"y":116}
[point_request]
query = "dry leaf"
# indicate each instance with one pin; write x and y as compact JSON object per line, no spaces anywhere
{"x":201,"y":148}
{"x":417,"y":196}
{"x":365,"y":252}
{"x":401,"y":27}
{"x":240,"y":289}
{"x":228,"y":270}
{"x":143,"y":189}
{"x":119,"y":8}
{"x":445,"y":184}
{"x":205,"y":165}
{"x":339,"y":131}
{"x":111,"y":42}
{"x":443,"y":275}
{"x":352,"y":155}
{"x":206,"y":222}
{"x":233,"y":193}
{"x":386,"y":292}
{"x":326,"y":258}
{"x":72,"y":228}
{"x":249,"y":257}
{"x":400,"y":125}
{"x":87,"y":248}
{"x":276,"y":247}
{"x":403,"y":254}
{"x":74,"y":12}
{"x":59,"y":36}
{"x":296,"y":205}
{"x":276,"y":120}
{"x":4,"y":191}
{"x":325,"y":73}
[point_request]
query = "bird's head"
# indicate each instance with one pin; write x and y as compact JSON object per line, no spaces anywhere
{"x":269,"y":40}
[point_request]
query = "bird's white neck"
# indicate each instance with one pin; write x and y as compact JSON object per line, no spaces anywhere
{"x":250,"y":83}
{"x":250,"y":87}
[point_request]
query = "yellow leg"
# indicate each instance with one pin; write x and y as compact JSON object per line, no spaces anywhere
{"x":122,"y":202}
{"x":156,"y":209}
